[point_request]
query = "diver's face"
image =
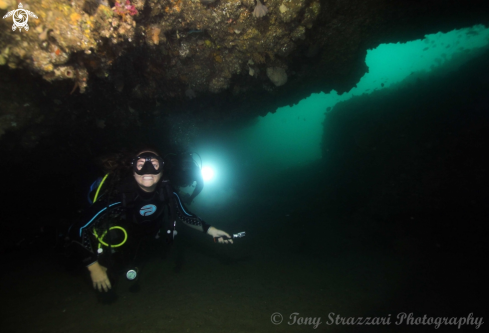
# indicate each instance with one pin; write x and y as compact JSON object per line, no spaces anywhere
{"x":148,"y":182}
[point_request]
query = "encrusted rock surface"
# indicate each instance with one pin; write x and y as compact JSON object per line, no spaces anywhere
{"x":209,"y":58}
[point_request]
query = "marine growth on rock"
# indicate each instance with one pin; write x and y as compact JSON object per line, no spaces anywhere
{"x":260,"y":9}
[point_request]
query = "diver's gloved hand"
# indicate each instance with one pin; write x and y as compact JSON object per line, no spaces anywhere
{"x":100,"y":280}
{"x":219,"y":235}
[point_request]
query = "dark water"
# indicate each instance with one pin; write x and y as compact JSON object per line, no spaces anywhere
{"x":393,"y":220}
{"x":301,"y":255}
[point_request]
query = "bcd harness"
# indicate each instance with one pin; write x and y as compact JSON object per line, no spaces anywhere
{"x":129,"y":198}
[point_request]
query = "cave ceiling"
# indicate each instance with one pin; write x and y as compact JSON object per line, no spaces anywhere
{"x":100,"y":65}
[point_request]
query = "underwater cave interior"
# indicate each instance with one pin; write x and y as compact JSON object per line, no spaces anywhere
{"x":369,"y":202}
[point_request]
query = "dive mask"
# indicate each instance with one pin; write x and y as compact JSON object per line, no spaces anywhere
{"x":149,"y":167}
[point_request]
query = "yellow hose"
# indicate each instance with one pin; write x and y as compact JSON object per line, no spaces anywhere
{"x":99,"y":187}
{"x":100,"y":239}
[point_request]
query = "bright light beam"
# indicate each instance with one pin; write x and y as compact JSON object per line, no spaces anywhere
{"x":207,"y":173}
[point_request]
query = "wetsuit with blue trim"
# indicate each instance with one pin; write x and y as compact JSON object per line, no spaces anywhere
{"x":140,"y":213}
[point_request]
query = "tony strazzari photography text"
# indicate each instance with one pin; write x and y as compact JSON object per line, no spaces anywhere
{"x":401,"y":318}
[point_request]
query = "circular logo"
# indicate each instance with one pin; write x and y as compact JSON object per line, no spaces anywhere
{"x":20,"y":17}
{"x":276,"y":318}
{"x":147,"y":210}
{"x":131,"y":274}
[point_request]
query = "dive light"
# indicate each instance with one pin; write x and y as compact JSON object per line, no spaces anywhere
{"x":238,"y":235}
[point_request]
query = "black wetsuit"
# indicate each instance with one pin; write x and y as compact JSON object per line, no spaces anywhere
{"x":140,"y":214}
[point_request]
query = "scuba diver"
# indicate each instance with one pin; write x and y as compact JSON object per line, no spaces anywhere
{"x":131,"y":213}
{"x":183,"y":172}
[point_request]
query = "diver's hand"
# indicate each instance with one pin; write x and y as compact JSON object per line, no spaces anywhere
{"x":217,"y":234}
{"x":100,"y":280}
